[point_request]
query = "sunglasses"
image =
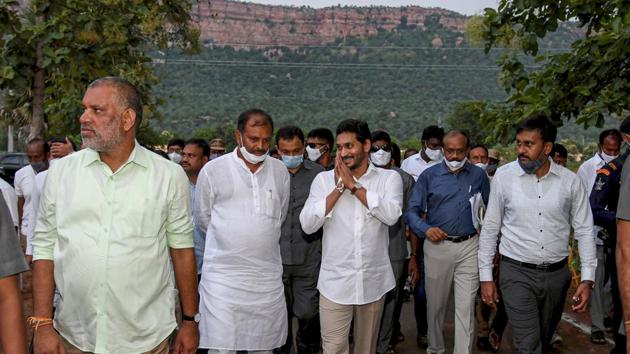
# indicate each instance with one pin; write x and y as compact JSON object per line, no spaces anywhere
{"x":323,"y":147}
{"x":385,"y":147}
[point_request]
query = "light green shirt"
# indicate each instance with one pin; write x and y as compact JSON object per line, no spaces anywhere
{"x":109,"y":236}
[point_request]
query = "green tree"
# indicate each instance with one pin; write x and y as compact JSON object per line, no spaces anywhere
{"x":466,"y":116}
{"x":50,"y":50}
{"x":585,"y":84}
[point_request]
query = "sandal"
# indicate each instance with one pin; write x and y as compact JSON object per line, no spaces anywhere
{"x":495,"y":341}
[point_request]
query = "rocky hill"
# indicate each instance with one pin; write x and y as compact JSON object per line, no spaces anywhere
{"x":250,"y":25}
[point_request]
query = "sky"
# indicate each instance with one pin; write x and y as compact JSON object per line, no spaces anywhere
{"x":467,"y":7}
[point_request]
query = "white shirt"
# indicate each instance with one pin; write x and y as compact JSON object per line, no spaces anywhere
{"x":355,"y":267}
{"x":11,"y":199}
{"x":36,"y":192}
{"x":24,"y":182}
{"x":587,"y":173}
{"x":242,"y":302}
{"x":415,"y":165}
{"x":534,"y":218}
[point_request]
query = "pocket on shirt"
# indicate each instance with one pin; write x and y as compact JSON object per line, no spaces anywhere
{"x":272,"y":206}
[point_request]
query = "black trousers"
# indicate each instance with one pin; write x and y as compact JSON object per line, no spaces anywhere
{"x":534,"y":301}
{"x":300,"y":291}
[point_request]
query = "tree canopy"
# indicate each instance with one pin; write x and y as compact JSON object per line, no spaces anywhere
{"x":586,"y":84}
{"x":50,"y":50}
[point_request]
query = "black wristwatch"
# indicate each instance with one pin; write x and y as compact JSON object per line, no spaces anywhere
{"x":196,"y":318}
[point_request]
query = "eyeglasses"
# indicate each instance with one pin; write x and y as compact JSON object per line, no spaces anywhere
{"x":385,"y":147}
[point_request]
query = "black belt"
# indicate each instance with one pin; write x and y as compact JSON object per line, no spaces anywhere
{"x":458,"y":239}
{"x":545,"y":267}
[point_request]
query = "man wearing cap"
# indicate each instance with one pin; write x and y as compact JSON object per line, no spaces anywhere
{"x":494,"y":158}
{"x":217,"y":148}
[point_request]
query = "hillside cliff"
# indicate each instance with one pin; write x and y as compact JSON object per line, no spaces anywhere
{"x":248,"y":25}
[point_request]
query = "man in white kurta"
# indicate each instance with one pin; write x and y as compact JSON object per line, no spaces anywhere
{"x":242,"y":303}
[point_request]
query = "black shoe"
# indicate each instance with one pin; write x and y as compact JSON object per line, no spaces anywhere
{"x":422,"y":341}
{"x":598,"y":337}
{"x":483,"y":343}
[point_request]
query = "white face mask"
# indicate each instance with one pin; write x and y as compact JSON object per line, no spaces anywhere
{"x":251,"y":158}
{"x":434,"y":155}
{"x":175,"y":157}
{"x":483,"y":166}
{"x":313,"y":153}
{"x":455,"y":165}
{"x":607,"y":158}
{"x":381,"y":158}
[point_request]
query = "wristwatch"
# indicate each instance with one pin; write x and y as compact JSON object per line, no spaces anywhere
{"x":196,"y":318}
{"x":356,"y":187}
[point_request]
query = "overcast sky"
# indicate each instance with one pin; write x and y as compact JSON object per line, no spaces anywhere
{"x":467,"y":7}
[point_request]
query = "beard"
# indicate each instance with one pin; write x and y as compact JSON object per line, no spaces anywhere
{"x":355,"y":161}
{"x":106,"y":139}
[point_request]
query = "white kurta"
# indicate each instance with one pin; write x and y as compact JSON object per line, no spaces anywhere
{"x":242,"y":303}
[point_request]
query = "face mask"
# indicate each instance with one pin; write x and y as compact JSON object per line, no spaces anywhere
{"x":483,"y":166}
{"x":175,"y":157}
{"x":381,"y":158}
{"x":39,"y":166}
{"x":532,"y":166}
{"x":434,"y":155}
{"x":492,"y":167}
{"x":251,"y":158}
{"x":213,"y":156}
{"x":455,"y":165}
{"x":607,"y":158}
{"x":292,"y":161}
{"x":313,"y":153}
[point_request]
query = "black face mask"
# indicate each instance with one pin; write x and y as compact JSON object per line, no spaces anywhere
{"x":39,"y":166}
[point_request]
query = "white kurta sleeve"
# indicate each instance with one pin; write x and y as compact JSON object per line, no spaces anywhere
{"x":286,"y":194}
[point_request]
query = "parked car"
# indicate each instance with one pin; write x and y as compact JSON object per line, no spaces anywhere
{"x":10,"y":163}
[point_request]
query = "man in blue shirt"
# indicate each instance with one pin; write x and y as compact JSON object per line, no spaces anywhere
{"x":195,"y":155}
{"x":440,"y":211}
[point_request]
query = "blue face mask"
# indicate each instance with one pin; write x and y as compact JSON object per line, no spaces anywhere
{"x":292,"y":161}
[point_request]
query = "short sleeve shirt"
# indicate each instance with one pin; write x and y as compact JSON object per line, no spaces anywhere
{"x":623,"y":208}
{"x":11,"y":259}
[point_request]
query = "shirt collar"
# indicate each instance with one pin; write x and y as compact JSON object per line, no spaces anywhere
{"x":138,"y":156}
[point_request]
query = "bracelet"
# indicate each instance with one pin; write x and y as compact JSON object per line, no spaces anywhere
{"x":627,"y":322}
{"x":36,"y":322}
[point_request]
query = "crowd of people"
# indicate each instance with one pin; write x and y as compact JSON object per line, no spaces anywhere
{"x":199,"y":249}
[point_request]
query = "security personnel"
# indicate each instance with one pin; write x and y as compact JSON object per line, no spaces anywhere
{"x":603,"y":199}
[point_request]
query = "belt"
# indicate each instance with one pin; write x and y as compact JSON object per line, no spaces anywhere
{"x":458,"y":239}
{"x":544,"y":267}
